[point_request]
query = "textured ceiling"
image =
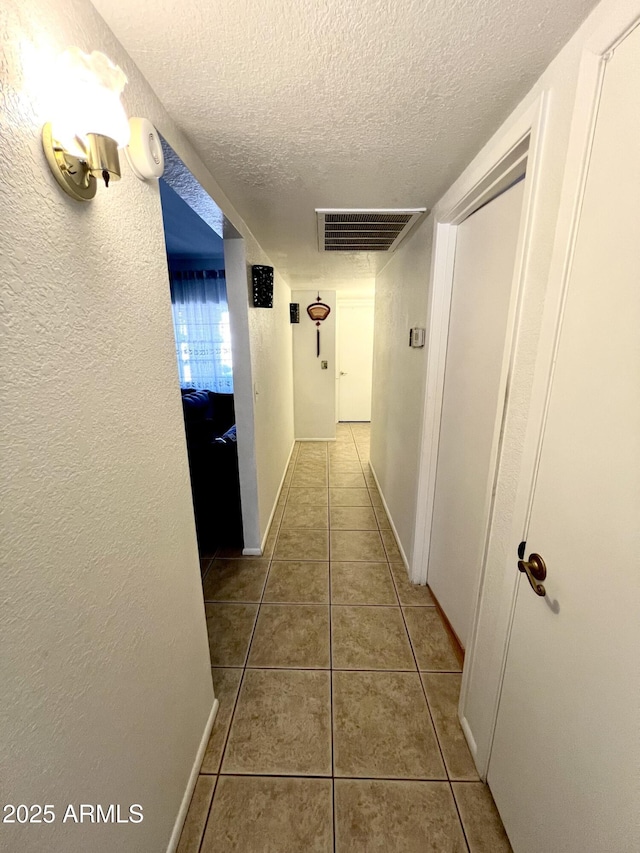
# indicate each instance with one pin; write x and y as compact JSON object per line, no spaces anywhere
{"x":298,"y":104}
{"x":185,"y":233}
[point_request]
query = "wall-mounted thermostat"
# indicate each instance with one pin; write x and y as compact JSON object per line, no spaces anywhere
{"x":417,"y":337}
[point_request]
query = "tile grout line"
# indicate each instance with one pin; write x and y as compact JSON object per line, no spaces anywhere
{"x":455,"y":804}
{"x":239,"y":775}
{"x":333,"y":780}
{"x":320,"y":603}
{"x":426,"y":699}
{"x":344,"y":668}
{"x":333,"y":777}
{"x":387,"y":560}
{"x":204,"y":828}
{"x":244,"y":668}
{"x":235,"y":704}
{"x":208,"y":569}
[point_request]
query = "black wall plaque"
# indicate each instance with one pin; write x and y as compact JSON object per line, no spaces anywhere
{"x":262,"y":278}
{"x":294,"y":312}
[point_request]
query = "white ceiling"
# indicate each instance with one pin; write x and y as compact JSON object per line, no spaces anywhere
{"x":298,"y":104}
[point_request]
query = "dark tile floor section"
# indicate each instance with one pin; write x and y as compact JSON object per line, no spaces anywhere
{"x":338,"y":685}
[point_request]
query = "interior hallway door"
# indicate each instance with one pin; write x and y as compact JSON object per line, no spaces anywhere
{"x":564,"y":769}
{"x":472,"y":405}
{"x":355,"y":360}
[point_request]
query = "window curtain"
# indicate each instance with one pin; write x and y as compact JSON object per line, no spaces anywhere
{"x":201,"y":324}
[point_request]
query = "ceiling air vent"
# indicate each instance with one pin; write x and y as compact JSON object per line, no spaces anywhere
{"x":364,"y":230}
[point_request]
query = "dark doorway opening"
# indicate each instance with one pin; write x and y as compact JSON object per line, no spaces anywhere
{"x":195,"y":260}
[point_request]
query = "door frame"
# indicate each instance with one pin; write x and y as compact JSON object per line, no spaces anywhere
{"x":349,"y":302}
{"x":184,"y":182}
{"x":497,"y":166}
{"x":498,"y":585}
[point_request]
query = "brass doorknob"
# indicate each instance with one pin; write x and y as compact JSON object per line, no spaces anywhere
{"x":536,"y":571}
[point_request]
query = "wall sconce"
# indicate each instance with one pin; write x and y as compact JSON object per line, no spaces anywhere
{"x":89,"y":123}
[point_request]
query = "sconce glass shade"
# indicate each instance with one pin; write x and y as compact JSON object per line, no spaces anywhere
{"x":87,"y":101}
{"x":89,"y":122}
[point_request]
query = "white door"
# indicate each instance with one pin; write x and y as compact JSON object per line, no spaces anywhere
{"x":565,"y":764}
{"x":355,"y":361}
{"x":472,"y":406}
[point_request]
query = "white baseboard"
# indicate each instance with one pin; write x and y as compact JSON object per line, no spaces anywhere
{"x":255,"y":552}
{"x":193,"y":778}
{"x":393,"y":527}
{"x":316,"y":439}
{"x":473,"y":747}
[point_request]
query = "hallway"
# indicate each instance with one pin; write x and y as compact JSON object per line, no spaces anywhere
{"x":338,"y":685}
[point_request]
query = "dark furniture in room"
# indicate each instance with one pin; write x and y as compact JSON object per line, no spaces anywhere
{"x":209,"y":420}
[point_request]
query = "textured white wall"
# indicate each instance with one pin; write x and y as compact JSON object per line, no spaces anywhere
{"x":314,"y":389}
{"x":272,"y":368}
{"x":105,"y":667}
{"x":399,"y":379}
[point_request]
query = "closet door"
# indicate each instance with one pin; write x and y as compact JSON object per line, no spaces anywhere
{"x":564,"y":769}
{"x":472,"y":408}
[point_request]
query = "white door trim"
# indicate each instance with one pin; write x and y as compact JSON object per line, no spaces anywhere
{"x":235,"y":261}
{"x":500,"y":162}
{"x":499,"y":596}
{"x":180,"y":178}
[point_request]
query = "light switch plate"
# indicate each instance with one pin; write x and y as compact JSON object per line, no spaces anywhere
{"x":324,"y":365}
{"x":417,"y":337}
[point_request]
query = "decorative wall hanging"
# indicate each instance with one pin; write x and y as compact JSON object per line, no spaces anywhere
{"x":262,"y":278}
{"x":318,"y":311}
{"x":294,"y":312}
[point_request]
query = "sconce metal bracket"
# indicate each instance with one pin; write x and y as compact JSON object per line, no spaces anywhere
{"x":70,"y":172}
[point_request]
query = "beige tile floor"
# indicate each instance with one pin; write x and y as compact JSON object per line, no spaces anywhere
{"x":338,"y":685}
